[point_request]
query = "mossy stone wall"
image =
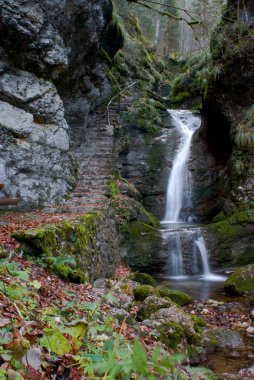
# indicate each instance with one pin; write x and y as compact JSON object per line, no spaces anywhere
{"x":90,"y":240}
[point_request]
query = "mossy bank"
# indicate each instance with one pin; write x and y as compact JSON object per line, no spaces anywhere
{"x":84,"y":249}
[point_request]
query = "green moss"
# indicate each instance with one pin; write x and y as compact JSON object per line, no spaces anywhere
{"x":199,"y":323}
{"x":231,"y":226}
{"x":171,"y":334}
{"x":201,"y":373}
{"x":144,"y":279}
{"x":143,"y":291}
{"x":3,"y":252}
{"x":69,"y":248}
{"x":176,"y":296}
{"x":137,"y":229}
{"x":146,"y":115}
{"x":241,"y":281}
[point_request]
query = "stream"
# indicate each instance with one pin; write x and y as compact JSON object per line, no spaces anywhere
{"x":187,"y":267}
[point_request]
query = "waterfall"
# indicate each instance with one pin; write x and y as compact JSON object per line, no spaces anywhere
{"x":184,"y":242}
{"x":200,"y":242}
{"x":186,"y":123}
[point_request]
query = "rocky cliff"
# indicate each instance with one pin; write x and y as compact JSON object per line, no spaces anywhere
{"x":228,"y":108}
{"x":51,"y":76}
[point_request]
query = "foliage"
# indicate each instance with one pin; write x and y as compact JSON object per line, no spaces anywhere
{"x":244,"y":137}
{"x":146,"y":114}
{"x":73,"y":331}
{"x":197,"y":73}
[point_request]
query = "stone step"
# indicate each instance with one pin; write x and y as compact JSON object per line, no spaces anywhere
{"x":90,"y":193}
{"x":9,"y":201}
{"x":85,"y":200}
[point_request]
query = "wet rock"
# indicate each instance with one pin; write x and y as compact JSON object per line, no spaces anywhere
{"x":180,"y":298}
{"x":145,"y":279}
{"x":225,"y":337}
{"x":242,"y":280}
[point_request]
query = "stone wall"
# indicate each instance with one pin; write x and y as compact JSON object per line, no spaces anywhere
{"x":91,"y":241}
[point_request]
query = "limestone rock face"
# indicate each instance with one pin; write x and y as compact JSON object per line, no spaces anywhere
{"x":51,"y":75}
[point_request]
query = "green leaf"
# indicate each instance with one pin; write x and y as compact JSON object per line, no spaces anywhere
{"x":139,"y":360}
{"x":36,"y":284}
{"x":14,"y":291}
{"x":54,"y":341}
{"x":156,"y":354}
{"x":23,"y":275}
{"x":77,"y":331}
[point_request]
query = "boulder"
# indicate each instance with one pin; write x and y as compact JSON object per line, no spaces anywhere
{"x":151,"y":304}
{"x":241,"y":281}
{"x":180,"y":298}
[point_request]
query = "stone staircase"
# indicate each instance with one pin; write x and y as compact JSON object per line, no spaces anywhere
{"x":97,"y":161}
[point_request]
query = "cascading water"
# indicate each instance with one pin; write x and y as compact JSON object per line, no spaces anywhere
{"x":179,"y":180}
{"x":184,"y":241}
{"x":200,"y":243}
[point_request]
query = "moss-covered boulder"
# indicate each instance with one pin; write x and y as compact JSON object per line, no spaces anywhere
{"x":152,"y":304}
{"x":241,"y":281}
{"x":145,"y":279}
{"x":143,"y":291}
{"x":83,"y":249}
{"x":177,"y":315}
{"x":171,"y":333}
{"x":181,"y":299}
{"x":3,"y":252}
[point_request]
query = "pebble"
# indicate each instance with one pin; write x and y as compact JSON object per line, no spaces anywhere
{"x":252,"y":314}
{"x":250,"y":330}
{"x":205,"y":311}
{"x":214,"y":302}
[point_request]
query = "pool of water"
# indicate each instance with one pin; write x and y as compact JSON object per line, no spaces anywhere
{"x":199,"y":287}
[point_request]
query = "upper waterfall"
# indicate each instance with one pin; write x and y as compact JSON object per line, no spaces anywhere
{"x":179,"y":186}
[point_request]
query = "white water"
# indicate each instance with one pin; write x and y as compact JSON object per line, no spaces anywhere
{"x":207,"y":274}
{"x":200,"y":242}
{"x":182,"y":240}
{"x":186,"y":123}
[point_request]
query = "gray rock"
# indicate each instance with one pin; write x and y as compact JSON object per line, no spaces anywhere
{"x":225,"y":337}
{"x":174,"y":314}
{"x":151,"y":305}
{"x":51,"y":76}
{"x":121,"y":315}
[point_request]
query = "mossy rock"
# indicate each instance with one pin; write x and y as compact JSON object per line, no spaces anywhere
{"x":199,"y":323}
{"x":78,"y":250}
{"x":181,"y":299}
{"x":145,"y":279}
{"x":143,"y":291}
{"x":3,"y":252}
{"x":171,"y":334}
{"x":241,"y":281}
{"x":152,"y":304}
{"x":201,"y":373}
